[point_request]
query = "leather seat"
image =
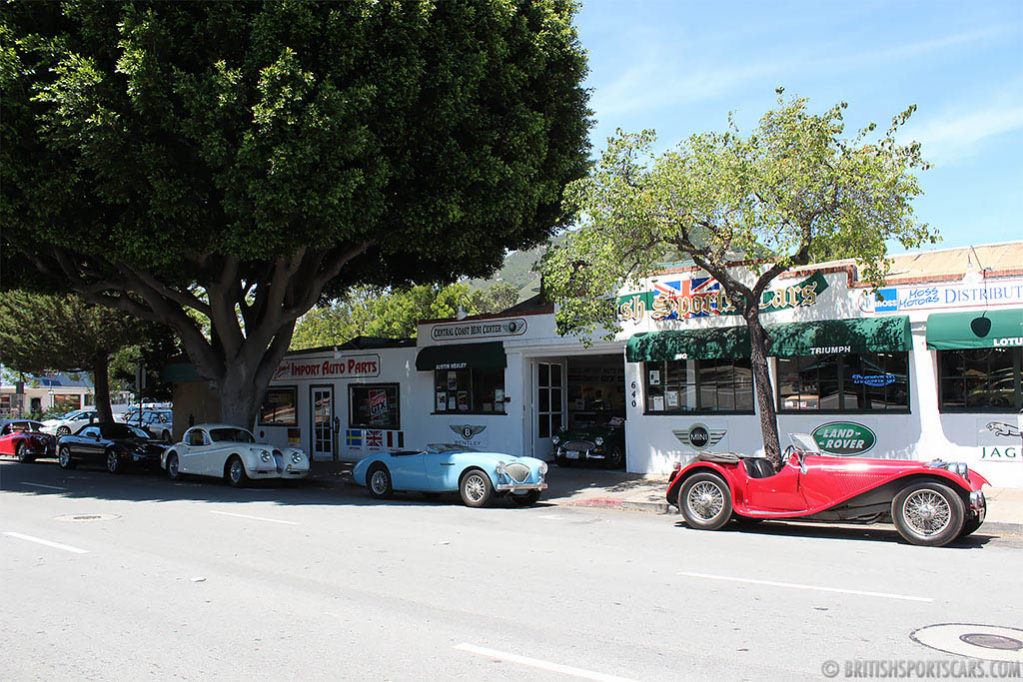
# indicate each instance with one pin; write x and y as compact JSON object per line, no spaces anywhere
{"x":758,"y":467}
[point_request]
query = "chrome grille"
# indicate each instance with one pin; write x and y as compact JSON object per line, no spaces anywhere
{"x":518,"y":472}
{"x":278,"y":460}
{"x":581,"y":445}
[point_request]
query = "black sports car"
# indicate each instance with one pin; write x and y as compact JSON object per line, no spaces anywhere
{"x":116,"y":445}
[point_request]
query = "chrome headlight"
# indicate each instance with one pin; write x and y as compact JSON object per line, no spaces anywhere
{"x":599,"y":440}
{"x":543,"y":468}
{"x":265,"y":456}
{"x":555,"y":439}
{"x":500,"y":468}
{"x":296,"y":457}
{"x":962,"y":469}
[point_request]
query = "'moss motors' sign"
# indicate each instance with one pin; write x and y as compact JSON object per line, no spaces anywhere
{"x":349,"y":367}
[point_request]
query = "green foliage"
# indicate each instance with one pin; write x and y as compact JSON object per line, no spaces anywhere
{"x":221,"y":167}
{"x":157,"y":349}
{"x":792,"y":190}
{"x":369,"y":311}
{"x":41,"y":333}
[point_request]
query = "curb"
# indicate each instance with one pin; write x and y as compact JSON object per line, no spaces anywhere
{"x":994,"y":527}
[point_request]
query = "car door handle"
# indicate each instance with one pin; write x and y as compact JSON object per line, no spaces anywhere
{"x":447,"y":464}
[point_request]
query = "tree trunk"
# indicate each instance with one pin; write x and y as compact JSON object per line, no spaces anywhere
{"x":101,"y":385}
{"x":759,"y":345}
{"x":244,"y":382}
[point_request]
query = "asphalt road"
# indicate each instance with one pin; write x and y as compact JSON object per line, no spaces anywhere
{"x":196,"y":580}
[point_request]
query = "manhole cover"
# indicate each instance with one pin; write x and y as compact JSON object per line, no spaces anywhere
{"x":82,"y":518}
{"x":989,"y":642}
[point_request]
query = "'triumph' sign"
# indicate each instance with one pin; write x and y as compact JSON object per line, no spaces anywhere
{"x":347,"y":367}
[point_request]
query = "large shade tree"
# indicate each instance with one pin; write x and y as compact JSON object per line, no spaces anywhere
{"x":40,"y":333}
{"x":793,"y":190}
{"x":224,"y":166}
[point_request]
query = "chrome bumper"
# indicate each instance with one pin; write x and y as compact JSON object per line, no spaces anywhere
{"x":580,"y":454}
{"x":978,"y":505}
{"x":519,"y":487}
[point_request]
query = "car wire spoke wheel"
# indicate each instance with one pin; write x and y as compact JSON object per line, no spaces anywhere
{"x":927,"y":512}
{"x":236,"y":471}
{"x":474,"y":487}
{"x":378,"y":482}
{"x":705,"y":500}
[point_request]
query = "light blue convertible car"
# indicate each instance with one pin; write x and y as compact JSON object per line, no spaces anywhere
{"x":446,"y":467}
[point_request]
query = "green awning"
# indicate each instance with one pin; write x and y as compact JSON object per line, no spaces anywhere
{"x":824,"y":337}
{"x":722,"y":342}
{"x":489,"y":355}
{"x":984,"y":329}
{"x":179,"y":373}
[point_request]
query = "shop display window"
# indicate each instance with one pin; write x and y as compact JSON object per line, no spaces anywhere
{"x":693,"y":386}
{"x":854,"y":382}
{"x":468,"y":391}
{"x":280,"y":407}
{"x":374,"y":406}
{"x":980,"y":380}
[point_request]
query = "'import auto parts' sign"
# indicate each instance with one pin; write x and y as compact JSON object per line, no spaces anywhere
{"x":844,"y":438}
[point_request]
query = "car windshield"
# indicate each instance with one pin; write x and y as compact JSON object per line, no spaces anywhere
{"x":122,"y":431}
{"x":804,"y":442}
{"x":227,"y":435}
{"x":437,"y":448}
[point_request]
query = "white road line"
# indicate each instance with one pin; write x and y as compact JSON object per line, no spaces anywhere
{"x":43,"y":485}
{"x":542,"y":665}
{"x":772,"y":583}
{"x":255,"y":518}
{"x":554,"y":517}
{"x":48,"y":543}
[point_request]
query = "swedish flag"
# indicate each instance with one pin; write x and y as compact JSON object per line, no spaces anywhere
{"x":353,"y":438}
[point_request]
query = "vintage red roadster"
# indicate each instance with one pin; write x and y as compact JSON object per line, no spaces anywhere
{"x":24,"y":439}
{"x":930,"y":503}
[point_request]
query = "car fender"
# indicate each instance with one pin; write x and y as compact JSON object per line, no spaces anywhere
{"x":699,"y":467}
{"x":167,"y":453}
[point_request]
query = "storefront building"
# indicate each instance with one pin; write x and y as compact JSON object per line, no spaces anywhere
{"x":928,"y":367}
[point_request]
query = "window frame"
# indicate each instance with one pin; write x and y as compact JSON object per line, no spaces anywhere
{"x":294,"y":391}
{"x":1017,"y":365}
{"x":352,"y":406}
{"x":908,"y":409}
{"x":471,"y":383}
{"x":699,"y":411}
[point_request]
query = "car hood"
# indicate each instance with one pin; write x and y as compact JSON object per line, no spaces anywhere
{"x":587,"y":434}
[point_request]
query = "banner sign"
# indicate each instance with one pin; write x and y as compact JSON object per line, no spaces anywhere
{"x":348,"y":367}
{"x":1000,"y":440}
{"x":478,"y":330}
{"x":844,"y":438}
{"x":942,"y":296}
{"x":704,"y":296}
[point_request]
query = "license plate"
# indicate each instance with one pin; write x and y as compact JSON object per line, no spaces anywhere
{"x":572,"y":454}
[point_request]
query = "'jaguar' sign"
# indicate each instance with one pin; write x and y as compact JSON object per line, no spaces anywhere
{"x":844,"y":438}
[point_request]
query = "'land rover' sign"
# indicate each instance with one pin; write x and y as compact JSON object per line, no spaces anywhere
{"x":844,"y":438}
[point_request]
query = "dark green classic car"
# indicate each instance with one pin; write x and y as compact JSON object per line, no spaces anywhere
{"x":592,"y":442}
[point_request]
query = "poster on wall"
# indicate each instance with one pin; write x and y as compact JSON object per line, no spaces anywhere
{"x":672,"y":398}
{"x":655,"y":377}
{"x":452,"y":381}
{"x":463,"y":401}
{"x":442,"y":401}
{"x":658,"y":403}
{"x":1000,"y":440}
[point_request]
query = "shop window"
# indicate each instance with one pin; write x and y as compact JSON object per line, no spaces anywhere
{"x":980,"y":380}
{"x":374,"y":406}
{"x":690,"y":386}
{"x":280,"y":407}
{"x":864,"y":382}
{"x":65,"y":402}
{"x":469,"y":391}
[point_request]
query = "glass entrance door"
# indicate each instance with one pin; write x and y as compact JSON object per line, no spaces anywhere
{"x":322,"y":401}
{"x":549,"y":406}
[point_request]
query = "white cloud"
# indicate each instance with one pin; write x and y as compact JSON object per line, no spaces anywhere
{"x":957,"y":136}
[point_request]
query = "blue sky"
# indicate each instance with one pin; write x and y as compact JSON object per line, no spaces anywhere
{"x":680,"y":66}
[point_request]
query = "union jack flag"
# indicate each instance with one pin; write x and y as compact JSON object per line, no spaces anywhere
{"x":698,"y":287}
{"x":374,"y":439}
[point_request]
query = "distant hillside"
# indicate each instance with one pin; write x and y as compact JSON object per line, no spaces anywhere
{"x":518,"y":271}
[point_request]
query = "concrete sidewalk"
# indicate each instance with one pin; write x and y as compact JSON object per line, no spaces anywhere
{"x":586,"y":487}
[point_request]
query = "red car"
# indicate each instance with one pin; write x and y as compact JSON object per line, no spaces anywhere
{"x":23,"y":439}
{"x":931,"y":503}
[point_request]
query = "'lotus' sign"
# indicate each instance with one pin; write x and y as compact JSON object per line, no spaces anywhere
{"x":844,"y":438}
